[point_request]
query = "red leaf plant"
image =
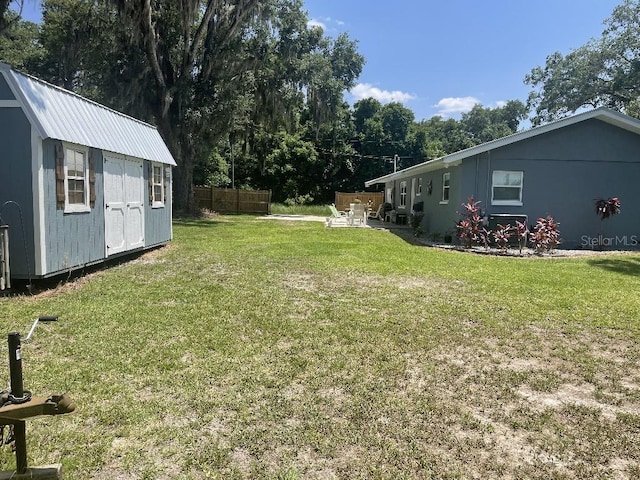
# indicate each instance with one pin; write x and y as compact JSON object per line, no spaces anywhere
{"x":607,"y":208}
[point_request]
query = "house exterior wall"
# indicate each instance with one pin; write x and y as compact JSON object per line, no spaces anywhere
{"x":440,"y":215}
{"x":16,"y":185}
{"x":72,"y":239}
{"x":564,"y":171}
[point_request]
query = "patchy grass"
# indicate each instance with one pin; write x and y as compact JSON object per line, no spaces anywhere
{"x":253,"y":349}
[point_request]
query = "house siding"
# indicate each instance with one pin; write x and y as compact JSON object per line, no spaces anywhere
{"x":73,"y":239}
{"x":15,"y":164}
{"x":564,"y":172}
{"x":439,"y":217}
{"x":566,"y":166}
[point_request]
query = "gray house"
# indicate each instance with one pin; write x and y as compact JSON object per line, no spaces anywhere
{"x":79,"y":182}
{"x":558,"y":169}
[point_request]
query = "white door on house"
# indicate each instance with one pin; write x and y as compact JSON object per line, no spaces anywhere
{"x":124,"y":207}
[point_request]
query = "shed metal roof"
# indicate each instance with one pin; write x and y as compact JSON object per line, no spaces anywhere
{"x":604,"y":114}
{"x":63,"y":115}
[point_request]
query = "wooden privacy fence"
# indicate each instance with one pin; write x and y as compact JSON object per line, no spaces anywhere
{"x":225,"y":200}
{"x":343,"y":200}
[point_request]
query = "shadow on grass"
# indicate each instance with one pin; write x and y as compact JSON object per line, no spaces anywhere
{"x":201,"y":222}
{"x":624,"y":265}
{"x":405,"y":232}
{"x":36,"y":286}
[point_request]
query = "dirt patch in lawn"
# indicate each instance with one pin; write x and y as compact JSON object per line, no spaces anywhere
{"x":76,"y":279}
{"x":526,"y":403}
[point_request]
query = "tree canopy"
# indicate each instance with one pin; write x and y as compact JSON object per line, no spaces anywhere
{"x":243,"y":92}
{"x":603,"y":72}
{"x":8,"y":17}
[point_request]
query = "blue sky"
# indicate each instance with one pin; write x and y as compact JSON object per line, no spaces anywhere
{"x":440,"y":57}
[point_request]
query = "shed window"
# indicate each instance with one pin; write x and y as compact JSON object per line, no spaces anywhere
{"x":76,"y":183}
{"x":419,"y":192}
{"x":158,"y":185}
{"x":446,"y":179}
{"x":403,"y":194}
{"x":506,"y":188}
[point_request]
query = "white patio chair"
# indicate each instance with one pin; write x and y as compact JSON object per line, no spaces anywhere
{"x":337,"y":217}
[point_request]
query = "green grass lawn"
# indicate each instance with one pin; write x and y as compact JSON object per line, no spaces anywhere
{"x":264,"y":349}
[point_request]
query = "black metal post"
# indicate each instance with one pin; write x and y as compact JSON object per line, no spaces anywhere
{"x":17,"y":390}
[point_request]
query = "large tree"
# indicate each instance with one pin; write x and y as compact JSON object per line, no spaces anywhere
{"x":483,"y":124}
{"x":195,"y":61}
{"x":298,"y":91}
{"x":603,"y":72}
{"x":215,"y":73}
{"x":20,"y":45}
{"x":254,"y":94}
{"x":7,"y":16}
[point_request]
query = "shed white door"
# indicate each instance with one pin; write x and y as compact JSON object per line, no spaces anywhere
{"x":124,"y":205}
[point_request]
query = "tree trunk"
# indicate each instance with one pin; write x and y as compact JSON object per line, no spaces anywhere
{"x":181,"y":147}
{"x":183,"y":194}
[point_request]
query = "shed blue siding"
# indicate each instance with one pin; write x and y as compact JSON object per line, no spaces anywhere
{"x":15,"y":172}
{"x":157,"y":221}
{"x":5,"y":91}
{"x":53,"y":241}
{"x":73,"y":239}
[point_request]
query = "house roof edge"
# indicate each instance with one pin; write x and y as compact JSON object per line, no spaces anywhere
{"x":604,"y":114}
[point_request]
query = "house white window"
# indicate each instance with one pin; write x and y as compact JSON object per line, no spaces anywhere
{"x":506,"y":188}
{"x":76,"y":180}
{"x":446,"y":179}
{"x":403,"y":194}
{"x":419,"y":191}
{"x":158,"y":185}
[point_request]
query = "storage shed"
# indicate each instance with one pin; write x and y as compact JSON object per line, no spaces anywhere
{"x":79,"y":182}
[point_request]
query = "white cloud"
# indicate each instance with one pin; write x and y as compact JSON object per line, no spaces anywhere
{"x":451,"y":106}
{"x":316,"y":23}
{"x":366,"y":90}
{"x":328,"y":24}
{"x":454,"y":105}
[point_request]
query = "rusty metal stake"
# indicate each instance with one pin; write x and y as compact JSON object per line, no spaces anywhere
{"x":17,"y":390}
